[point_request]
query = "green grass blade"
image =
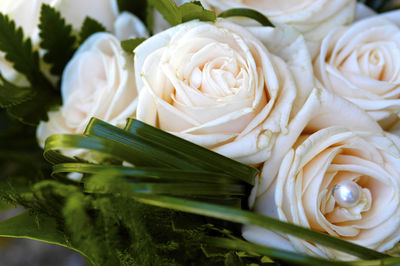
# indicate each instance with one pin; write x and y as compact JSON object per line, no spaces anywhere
{"x":152,"y":154}
{"x":298,"y":259}
{"x":109,"y":183}
{"x":252,"y":218}
{"x":143,"y":173}
{"x":118,"y":150}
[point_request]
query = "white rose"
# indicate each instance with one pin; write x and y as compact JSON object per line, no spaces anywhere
{"x":217,"y":85}
{"x":360,"y":62}
{"x":99,"y":82}
{"x":313,"y":18}
{"x":26,"y":14}
{"x":322,"y":109}
{"x":305,"y":193}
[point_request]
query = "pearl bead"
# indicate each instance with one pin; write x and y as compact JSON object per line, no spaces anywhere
{"x":347,"y":193}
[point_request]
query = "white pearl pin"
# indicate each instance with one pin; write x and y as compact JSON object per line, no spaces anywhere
{"x":347,"y":193}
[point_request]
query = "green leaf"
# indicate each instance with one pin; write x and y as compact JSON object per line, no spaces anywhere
{"x":168,"y":9}
{"x":195,"y":10}
{"x":56,"y":37}
{"x":33,"y":106}
{"x":147,"y":174}
{"x":249,"y":13}
{"x":18,"y":51}
{"x":108,"y":182}
{"x":11,"y":94}
{"x":37,"y":227}
{"x":131,"y":44}
{"x":89,"y":27}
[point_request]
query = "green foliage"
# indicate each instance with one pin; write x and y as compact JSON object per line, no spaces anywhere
{"x":131,"y":44}
{"x":135,"y":7}
{"x":178,"y":14}
{"x":38,"y":227}
{"x":28,"y":104}
{"x":249,"y":13}
{"x":89,"y":27}
{"x":11,"y":94}
{"x":168,"y":9}
{"x":195,"y":10}
{"x":118,"y":215}
{"x":56,"y":37}
{"x":19,"y":51}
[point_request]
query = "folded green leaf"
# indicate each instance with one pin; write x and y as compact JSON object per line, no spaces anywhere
{"x":131,"y":44}
{"x":189,"y":151}
{"x":56,"y":37}
{"x":90,"y":26}
{"x":249,"y":13}
{"x":11,"y":94}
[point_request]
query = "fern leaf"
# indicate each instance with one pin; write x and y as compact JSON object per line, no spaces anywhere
{"x":56,"y":37}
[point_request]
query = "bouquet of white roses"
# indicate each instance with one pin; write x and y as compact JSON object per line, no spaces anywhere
{"x":212,"y":132}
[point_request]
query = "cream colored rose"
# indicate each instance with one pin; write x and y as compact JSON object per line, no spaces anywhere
{"x":99,"y":82}
{"x":313,"y":18}
{"x":312,"y":190}
{"x":217,"y":85}
{"x":360,"y":63}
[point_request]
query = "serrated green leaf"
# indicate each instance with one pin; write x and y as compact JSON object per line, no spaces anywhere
{"x":249,"y":13}
{"x":89,"y":27}
{"x":131,"y":44}
{"x":168,"y":9}
{"x":20,"y":52}
{"x":11,"y":94}
{"x":56,"y":37}
{"x":190,"y":11}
